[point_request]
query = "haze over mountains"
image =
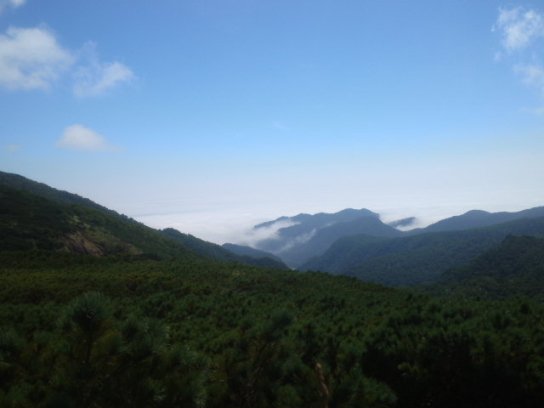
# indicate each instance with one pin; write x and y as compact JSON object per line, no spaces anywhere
{"x":358,"y":243}
{"x":306,"y":236}
{"x":353,"y":242}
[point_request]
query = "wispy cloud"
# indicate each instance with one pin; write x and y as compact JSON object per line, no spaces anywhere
{"x":4,"y":4}
{"x":251,"y":237}
{"x":532,"y":75}
{"x":535,"y":111}
{"x":520,"y":30}
{"x":298,"y":240}
{"x":96,"y":78}
{"x":31,"y":58}
{"x":79,"y":137}
{"x":519,"y":27}
{"x":12,"y":148}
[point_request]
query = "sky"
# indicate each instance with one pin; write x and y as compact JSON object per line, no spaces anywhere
{"x":212,"y":115}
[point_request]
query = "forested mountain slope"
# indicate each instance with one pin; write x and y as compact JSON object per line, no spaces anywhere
{"x":220,"y":253}
{"x":514,"y":268}
{"x":244,"y":250}
{"x":31,"y":222}
{"x":34,"y":216}
{"x":21,"y":183}
{"x":416,"y":259}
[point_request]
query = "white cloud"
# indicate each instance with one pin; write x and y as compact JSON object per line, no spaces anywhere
{"x":31,"y":58}
{"x":253,"y":236}
{"x":96,"y":78}
{"x":532,"y":75}
{"x":78,"y":137}
{"x":519,"y":27}
{"x":298,"y":240}
{"x":11,"y":3}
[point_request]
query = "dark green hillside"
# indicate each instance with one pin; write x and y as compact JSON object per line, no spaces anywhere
{"x":18,"y":182}
{"x":514,"y":268}
{"x":220,"y":253}
{"x":243,"y":250}
{"x":34,"y":216}
{"x":28,"y":222}
{"x":416,"y":259}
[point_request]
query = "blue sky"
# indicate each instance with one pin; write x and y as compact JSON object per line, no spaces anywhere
{"x":211,"y":115}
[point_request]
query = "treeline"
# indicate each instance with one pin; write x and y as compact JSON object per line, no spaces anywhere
{"x":87,"y":332}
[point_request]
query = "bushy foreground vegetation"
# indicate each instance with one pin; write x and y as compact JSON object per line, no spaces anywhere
{"x":88,"y":332}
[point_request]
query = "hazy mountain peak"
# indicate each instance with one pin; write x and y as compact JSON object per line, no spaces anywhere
{"x":475,"y":213}
{"x":322,"y":217}
{"x":480,"y":218}
{"x":304,"y":236}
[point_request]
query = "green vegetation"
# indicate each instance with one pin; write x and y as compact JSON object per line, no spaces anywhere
{"x":97,"y":310}
{"x":76,"y":330}
{"x":514,"y":268}
{"x":28,"y":221}
{"x":34,"y":216}
{"x":243,"y":250}
{"x":418,"y":259}
{"x":223,"y":253}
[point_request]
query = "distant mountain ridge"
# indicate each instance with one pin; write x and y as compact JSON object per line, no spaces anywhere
{"x":479,"y":218}
{"x":34,"y":216}
{"x":301,"y":239}
{"x":321,"y":219}
{"x":319,"y":242}
{"x":306,"y":236}
{"x":416,"y":259}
